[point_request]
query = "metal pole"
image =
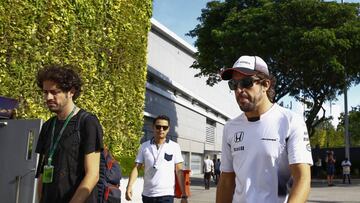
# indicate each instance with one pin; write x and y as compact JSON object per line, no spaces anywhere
{"x":18,"y":183}
{"x":331,"y":109}
{"x":346,"y":118}
{"x":327,"y":129}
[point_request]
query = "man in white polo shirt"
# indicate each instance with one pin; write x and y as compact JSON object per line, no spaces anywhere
{"x":160,"y":157}
{"x":208,"y":169}
{"x":266,"y":154}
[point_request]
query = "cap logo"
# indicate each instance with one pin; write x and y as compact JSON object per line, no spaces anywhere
{"x":244,"y":62}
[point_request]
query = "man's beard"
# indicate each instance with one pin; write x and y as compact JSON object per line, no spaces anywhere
{"x":248,"y":107}
{"x":251,"y":105}
{"x":57,"y":108}
{"x":54,"y":110}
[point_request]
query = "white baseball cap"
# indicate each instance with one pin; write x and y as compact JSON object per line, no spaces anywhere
{"x":247,"y":65}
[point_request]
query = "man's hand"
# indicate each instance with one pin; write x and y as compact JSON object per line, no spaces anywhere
{"x":128,"y":194}
{"x":184,"y":200}
{"x":133,"y":175}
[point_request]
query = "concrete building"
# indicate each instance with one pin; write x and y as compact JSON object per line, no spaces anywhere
{"x":197,"y":111}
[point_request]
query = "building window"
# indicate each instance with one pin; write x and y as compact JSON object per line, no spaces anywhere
{"x":196,"y":166}
{"x":210,"y":131}
{"x":147,"y":130}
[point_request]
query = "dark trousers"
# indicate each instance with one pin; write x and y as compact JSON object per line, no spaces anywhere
{"x":344,"y":178}
{"x":207,"y":176}
{"x":317,"y":171}
{"x":161,"y":199}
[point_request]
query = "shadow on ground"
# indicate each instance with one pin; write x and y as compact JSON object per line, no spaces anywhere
{"x":199,"y":181}
{"x":319,"y":183}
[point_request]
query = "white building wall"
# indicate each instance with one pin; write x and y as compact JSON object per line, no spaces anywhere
{"x":172,"y":61}
{"x":218,"y":138}
{"x":173,"y":90}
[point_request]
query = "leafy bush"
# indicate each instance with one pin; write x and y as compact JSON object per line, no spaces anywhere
{"x":105,"y":39}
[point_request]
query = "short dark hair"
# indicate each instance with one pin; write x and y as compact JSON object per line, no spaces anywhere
{"x":64,"y":76}
{"x":161,"y":117}
{"x":271,"y":91}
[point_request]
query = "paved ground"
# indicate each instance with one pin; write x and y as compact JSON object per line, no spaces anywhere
{"x":320,"y":192}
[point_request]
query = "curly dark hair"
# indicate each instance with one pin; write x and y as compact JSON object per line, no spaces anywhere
{"x":161,"y":117}
{"x":65,"y":77}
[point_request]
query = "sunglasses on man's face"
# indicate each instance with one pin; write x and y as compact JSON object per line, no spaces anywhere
{"x":164,"y":127}
{"x":247,"y":82}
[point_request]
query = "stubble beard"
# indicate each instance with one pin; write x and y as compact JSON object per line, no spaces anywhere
{"x":160,"y":136}
{"x":251,"y":105}
{"x":58,"y":108}
{"x":248,"y":107}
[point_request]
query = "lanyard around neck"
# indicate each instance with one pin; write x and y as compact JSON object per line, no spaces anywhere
{"x":156,"y":158}
{"x":54,"y":145}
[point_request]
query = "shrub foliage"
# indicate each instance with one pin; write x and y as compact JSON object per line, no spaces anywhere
{"x":105,"y":39}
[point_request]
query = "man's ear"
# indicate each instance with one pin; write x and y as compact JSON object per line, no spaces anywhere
{"x":266,"y":83}
{"x":72,"y":92}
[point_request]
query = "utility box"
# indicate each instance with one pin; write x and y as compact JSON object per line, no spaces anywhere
{"x":186,"y":174}
{"x":18,"y":140}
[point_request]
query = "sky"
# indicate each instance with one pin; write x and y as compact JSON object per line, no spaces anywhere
{"x":180,"y":16}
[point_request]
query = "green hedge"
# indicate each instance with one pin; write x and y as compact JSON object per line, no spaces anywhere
{"x":106,"y":39}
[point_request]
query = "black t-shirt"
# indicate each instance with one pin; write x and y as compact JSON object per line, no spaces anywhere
{"x":68,"y":159}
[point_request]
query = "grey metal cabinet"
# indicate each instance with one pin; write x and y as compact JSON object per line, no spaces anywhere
{"x":18,"y":160}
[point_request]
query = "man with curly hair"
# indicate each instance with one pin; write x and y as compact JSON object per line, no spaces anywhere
{"x":68,"y":168}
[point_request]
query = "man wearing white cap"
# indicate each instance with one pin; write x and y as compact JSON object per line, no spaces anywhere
{"x":266,"y":154}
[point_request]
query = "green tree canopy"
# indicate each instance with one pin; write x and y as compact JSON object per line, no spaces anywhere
{"x":354,"y":127}
{"x":309,"y":45}
{"x":326,"y":136}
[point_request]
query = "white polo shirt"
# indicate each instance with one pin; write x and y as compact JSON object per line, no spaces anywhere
{"x":159,"y":167}
{"x":346,"y":167}
{"x":260,"y":153}
{"x":208,"y":165}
